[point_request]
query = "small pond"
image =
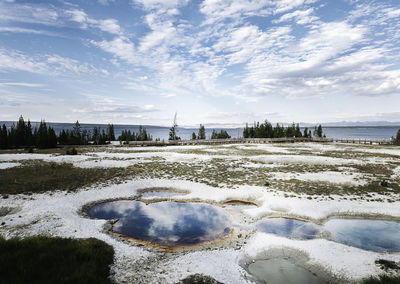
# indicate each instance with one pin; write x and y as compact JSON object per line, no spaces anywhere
{"x":290,"y":228}
{"x":281,"y":271}
{"x":165,"y":223}
{"x":368,"y":234}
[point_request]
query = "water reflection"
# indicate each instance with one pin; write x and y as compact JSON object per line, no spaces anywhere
{"x":289,"y":228}
{"x":281,"y":271}
{"x":375,"y":235}
{"x":165,"y":223}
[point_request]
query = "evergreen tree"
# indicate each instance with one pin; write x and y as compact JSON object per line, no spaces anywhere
{"x":298,"y":131}
{"x":202,"y":132}
{"x":3,"y":137}
{"x":173,"y":130}
{"x":397,"y":139}
{"x":110,"y":132}
{"x":29,"y":137}
{"x":246,"y":131}
{"x":220,"y":135}
{"x":305,"y":132}
{"x":318,"y":131}
{"x":214,"y":134}
{"x":20,"y":133}
{"x":51,"y":138}
{"x":42,"y":135}
{"x":96,"y":135}
{"x":223,"y":134}
{"x":62,"y":138}
{"x":194,"y":136}
{"x":11,"y":136}
{"x":77,"y":130}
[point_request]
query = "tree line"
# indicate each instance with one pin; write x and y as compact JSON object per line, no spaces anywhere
{"x":142,"y":135}
{"x":23,"y":134}
{"x":266,"y":130}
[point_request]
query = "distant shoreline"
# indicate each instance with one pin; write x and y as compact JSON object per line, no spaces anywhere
{"x":308,"y":125}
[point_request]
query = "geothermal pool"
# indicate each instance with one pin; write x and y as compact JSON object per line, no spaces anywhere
{"x":165,"y":223}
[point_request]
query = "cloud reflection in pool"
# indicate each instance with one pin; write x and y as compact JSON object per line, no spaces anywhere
{"x":165,"y":223}
{"x":290,"y":228}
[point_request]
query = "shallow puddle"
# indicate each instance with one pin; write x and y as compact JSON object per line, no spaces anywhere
{"x":281,"y":271}
{"x":368,"y":234}
{"x":165,"y":223}
{"x":290,"y":228}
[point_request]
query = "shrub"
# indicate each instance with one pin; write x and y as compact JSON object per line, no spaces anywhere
{"x":384,"y":183}
{"x":72,"y":151}
{"x":55,"y":260}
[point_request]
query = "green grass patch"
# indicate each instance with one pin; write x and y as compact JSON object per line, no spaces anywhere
{"x":39,"y":176}
{"x":55,"y":260}
{"x":382,"y":279}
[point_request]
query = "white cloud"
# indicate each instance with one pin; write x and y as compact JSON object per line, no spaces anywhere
{"x":44,"y":64}
{"x":105,"y":2}
{"x":301,"y":17}
{"x":217,"y":10}
{"x":121,"y":47}
{"x":28,"y":13}
{"x":29,"y":31}
{"x":160,"y":4}
{"x":78,"y":16}
{"x":287,"y":5}
{"x":22,"y":84}
{"x":108,"y":25}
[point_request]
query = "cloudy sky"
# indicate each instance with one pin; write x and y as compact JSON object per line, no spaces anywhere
{"x":212,"y":61}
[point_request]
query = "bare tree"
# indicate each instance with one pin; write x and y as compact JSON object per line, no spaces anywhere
{"x":173,"y":130}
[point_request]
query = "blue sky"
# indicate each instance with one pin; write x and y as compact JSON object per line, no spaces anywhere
{"x":213,"y":62}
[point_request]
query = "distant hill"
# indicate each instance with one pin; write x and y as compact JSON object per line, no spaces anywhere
{"x":355,"y":124}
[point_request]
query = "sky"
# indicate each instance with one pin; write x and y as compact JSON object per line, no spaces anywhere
{"x":214,"y":62}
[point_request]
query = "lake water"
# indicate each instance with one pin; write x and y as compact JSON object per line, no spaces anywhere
{"x":186,"y":133}
{"x":165,"y":223}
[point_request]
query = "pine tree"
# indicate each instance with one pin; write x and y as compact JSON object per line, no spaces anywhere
{"x":305,"y":132}
{"x":20,"y":133}
{"x":246,"y":131}
{"x":214,"y":134}
{"x":62,"y":137}
{"x":110,"y":132}
{"x":42,"y":135}
{"x":202,"y":132}
{"x":29,"y":136}
{"x":297,"y":131}
{"x":397,"y":139}
{"x":3,"y":137}
{"x":77,"y":132}
{"x":51,"y":138}
{"x":194,"y":136}
{"x":318,"y":131}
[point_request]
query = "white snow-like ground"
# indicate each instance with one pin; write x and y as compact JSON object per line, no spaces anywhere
{"x":59,"y":213}
{"x":7,"y":165}
{"x":327,"y":176}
